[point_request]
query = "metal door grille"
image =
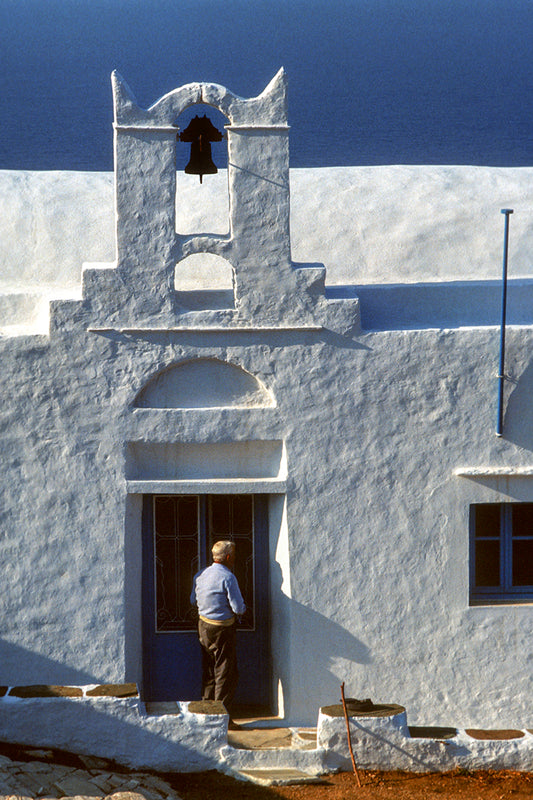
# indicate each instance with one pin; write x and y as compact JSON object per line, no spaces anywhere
{"x":176,"y":547}
{"x":185,"y":529}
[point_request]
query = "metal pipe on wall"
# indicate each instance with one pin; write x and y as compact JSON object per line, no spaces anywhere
{"x":501,"y":369}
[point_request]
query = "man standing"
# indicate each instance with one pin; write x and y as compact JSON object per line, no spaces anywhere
{"x":218,"y":597}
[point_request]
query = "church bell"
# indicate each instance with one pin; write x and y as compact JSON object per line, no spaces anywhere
{"x":200,"y":132}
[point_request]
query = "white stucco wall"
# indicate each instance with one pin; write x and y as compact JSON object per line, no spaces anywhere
{"x":376,"y":554}
{"x":368,"y":225}
{"x":51,"y":223}
{"x":369,"y":547}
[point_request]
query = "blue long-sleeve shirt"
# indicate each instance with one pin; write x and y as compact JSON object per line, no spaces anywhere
{"x":216,"y":592}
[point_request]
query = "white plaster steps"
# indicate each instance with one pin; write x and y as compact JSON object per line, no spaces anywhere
{"x":284,"y":776}
{"x":266,"y":749}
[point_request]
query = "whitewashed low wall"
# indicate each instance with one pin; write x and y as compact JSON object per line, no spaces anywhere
{"x":384,"y":743}
{"x":116,"y":728}
{"x":119,"y":728}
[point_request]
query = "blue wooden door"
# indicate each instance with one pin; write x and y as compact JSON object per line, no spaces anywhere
{"x":178,"y":533}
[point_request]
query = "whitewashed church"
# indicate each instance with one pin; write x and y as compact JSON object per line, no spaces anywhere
{"x":303,"y":361}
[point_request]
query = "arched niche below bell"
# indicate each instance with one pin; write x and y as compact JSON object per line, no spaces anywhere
{"x":204,"y":383}
{"x":204,"y":280}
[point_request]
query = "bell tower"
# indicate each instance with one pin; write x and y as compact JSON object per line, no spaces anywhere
{"x":269,"y":289}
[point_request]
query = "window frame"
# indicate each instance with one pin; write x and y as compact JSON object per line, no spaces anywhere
{"x":506,"y":592}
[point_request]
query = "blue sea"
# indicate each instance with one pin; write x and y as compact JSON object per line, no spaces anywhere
{"x":370,"y":81}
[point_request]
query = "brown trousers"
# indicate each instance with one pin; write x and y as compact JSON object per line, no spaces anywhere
{"x":219,"y":662}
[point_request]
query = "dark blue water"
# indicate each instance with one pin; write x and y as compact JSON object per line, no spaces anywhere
{"x":370,"y":81}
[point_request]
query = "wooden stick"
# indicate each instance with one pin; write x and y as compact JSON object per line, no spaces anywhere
{"x":356,"y":773}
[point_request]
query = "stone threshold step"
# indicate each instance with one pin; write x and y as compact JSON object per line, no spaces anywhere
{"x":272,"y":739}
{"x":276,"y":776}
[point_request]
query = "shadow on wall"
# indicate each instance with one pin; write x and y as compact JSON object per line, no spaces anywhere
{"x":22,"y":667}
{"x":518,"y":418}
{"x":443,"y":305}
{"x":323,"y":645}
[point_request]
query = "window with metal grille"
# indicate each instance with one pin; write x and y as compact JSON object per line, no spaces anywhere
{"x":501,"y":552}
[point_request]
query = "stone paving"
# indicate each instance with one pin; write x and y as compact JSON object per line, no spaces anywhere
{"x":34,"y":773}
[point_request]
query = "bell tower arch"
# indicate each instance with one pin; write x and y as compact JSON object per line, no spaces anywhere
{"x":269,"y":289}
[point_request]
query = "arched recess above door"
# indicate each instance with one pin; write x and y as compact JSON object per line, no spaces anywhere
{"x":204,"y":383}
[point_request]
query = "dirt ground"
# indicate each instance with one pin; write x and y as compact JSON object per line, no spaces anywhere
{"x":457,"y":785}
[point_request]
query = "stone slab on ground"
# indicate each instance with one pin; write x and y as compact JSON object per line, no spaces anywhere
{"x":47,"y":780}
{"x":77,"y":785}
{"x":9,"y":786}
{"x":126,"y":796}
{"x":276,"y":777}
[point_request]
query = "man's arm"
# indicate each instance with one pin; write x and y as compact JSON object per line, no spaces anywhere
{"x":234,"y":596}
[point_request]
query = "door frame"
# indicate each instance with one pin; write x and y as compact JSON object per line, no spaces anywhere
{"x":259,"y":636}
